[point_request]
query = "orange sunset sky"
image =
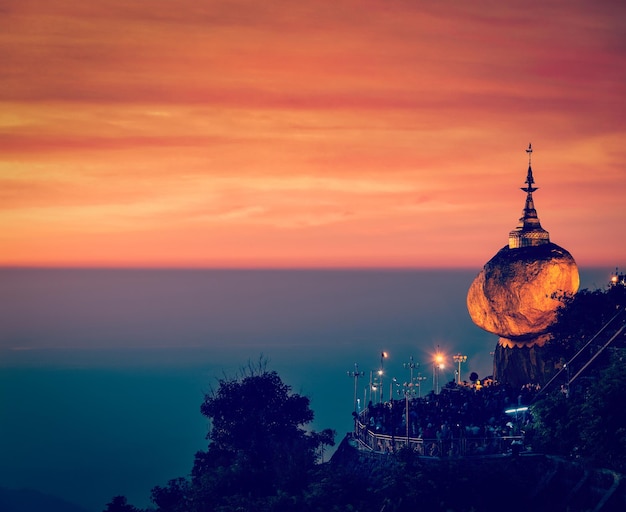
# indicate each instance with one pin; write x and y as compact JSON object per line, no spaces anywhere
{"x":308,"y":133}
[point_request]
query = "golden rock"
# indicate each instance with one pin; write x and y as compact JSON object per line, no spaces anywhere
{"x":518,"y":291}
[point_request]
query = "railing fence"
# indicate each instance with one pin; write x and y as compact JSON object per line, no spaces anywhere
{"x":453,"y":447}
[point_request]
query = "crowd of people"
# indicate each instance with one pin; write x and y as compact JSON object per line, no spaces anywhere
{"x":459,"y":411}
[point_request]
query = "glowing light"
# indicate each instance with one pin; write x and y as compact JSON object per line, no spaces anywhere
{"x":438,"y":365}
{"x":516,"y":410}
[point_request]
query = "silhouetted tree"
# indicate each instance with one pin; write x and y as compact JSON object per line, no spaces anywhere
{"x":120,"y":504}
{"x":260,"y":456}
{"x":176,"y":497}
{"x":257,"y":425}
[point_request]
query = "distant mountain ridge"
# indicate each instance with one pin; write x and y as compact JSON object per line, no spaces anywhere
{"x":30,"y":500}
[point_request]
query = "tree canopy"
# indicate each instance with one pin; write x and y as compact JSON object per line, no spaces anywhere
{"x":120,"y":504}
{"x":260,"y":451}
{"x":582,"y":316}
{"x":585,"y":417}
{"x":249,"y":415}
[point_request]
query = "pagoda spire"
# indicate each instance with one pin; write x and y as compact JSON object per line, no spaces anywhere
{"x":528,"y":231}
{"x":529,"y":178}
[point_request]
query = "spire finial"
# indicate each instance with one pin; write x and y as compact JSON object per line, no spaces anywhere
{"x":529,"y":178}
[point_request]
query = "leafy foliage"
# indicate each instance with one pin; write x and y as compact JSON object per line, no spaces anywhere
{"x":590,"y":422}
{"x":260,"y":455}
{"x":120,"y":504}
{"x":588,"y":419}
{"x":250,"y":415}
{"x":582,"y":316}
{"x":176,"y":497}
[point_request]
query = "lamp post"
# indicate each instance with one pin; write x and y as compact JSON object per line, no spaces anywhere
{"x":437,"y":366}
{"x":408,"y":390}
{"x":373,"y":386}
{"x":459,"y":359}
{"x":411,"y":365}
{"x":418,"y":383}
{"x":383,"y":356}
{"x":355,"y":375}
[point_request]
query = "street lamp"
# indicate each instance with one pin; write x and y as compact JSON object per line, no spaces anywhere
{"x":374,"y":390}
{"x":355,"y":375}
{"x":411,"y":365}
{"x":408,"y":390}
{"x":459,"y":359}
{"x":418,"y":383}
{"x":437,"y":366}
{"x":414,"y":381}
{"x":383,"y":356}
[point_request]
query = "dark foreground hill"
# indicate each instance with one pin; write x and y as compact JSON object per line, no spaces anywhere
{"x":528,"y":482}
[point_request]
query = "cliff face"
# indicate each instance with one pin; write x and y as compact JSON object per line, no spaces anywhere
{"x":517,"y":293}
{"x":517,"y":365}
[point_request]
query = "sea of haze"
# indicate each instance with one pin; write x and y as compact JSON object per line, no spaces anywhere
{"x":102,"y":371}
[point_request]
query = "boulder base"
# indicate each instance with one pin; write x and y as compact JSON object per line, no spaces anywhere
{"x":518,"y":366}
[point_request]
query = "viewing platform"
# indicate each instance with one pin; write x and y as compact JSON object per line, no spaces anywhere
{"x":434,"y":447}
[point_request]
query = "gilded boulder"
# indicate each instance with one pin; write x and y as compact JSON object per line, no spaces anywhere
{"x":518,"y":291}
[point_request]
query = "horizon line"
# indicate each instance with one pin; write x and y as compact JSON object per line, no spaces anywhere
{"x":231,"y":267}
{"x":67,"y":266}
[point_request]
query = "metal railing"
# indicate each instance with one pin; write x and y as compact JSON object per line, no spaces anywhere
{"x":454,"y":447}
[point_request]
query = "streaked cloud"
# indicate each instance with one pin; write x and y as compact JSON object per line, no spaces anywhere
{"x":273,"y":123}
